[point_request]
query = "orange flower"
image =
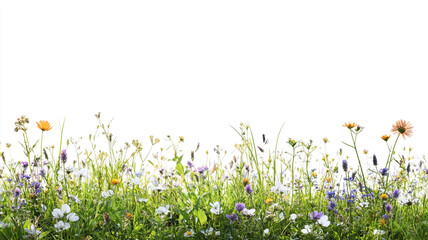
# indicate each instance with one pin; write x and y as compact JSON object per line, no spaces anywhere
{"x":44,"y":125}
{"x":246,"y":181}
{"x":382,"y":222}
{"x":385,"y":137}
{"x":328,"y":179}
{"x":269,"y":201}
{"x":384,"y":196}
{"x":128,"y":215}
{"x":350,"y":125}
{"x":402,"y":127}
{"x":115,"y":181}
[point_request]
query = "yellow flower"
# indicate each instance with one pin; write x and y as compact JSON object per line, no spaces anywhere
{"x":402,"y":127}
{"x":385,"y":137}
{"x":269,"y":201}
{"x":383,"y":196}
{"x":115,"y":181}
{"x":382,"y":222}
{"x":350,"y":125}
{"x":314,"y":174}
{"x":128,"y":215}
{"x":328,"y":179}
{"x":44,"y":125}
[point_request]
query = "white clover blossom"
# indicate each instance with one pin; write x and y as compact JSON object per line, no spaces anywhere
{"x":216,"y":208}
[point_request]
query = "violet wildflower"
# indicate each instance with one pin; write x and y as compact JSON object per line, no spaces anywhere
{"x":396,"y":193}
{"x":201,"y":170}
{"x":190,"y":164}
{"x":385,"y":216}
{"x":331,"y":195}
{"x":384,"y":171}
{"x":232,"y":217}
{"x":63,"y":156}
{"x":17,"y":192}
{"x":239,"y":207}
{"x":24,"y":164}
{"x":248,"y":189}
{"x":345,"y":165}
{"x":315,"y":215}
{"x":331,"y":205}
{"x":42,"y":172}
{"x":388,"y":207}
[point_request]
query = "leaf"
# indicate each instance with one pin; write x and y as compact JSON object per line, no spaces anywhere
{"x":180,"y":169}
{"x":201,"y":215}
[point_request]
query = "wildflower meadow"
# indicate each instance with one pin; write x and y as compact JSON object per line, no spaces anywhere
{"x":96,"y":188}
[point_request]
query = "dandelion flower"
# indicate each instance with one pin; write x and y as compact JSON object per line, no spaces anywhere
{"x":402,"y":127}
{"x":44,"y":125}
{"x":350,"y":125}
{"x":115,"y":181}
{"x":384,"y":196}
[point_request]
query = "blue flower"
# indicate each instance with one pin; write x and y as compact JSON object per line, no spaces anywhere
{"x":315,"y":215}
{"x":239,"y":207}
{"x":384,"y":171}
{"x":396,"y":193}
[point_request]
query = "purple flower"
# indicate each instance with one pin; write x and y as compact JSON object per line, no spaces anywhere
{"x":232,"y":217}
{"x":64,"y":156}
{"x":374,"y":160}
{"x":190,"y":164}
{"x":248,"y":189}
{"x":239,"y":206}
{"x":42,"y":172}
{"x":386,"y":216}
{"x":345,"y":165}
{"x":388,"y":207}
{"x":201,"y":170}
{"x":330,"y":195}
{"x":384,"y":171}
{"x":25,"y":176}
{"x":24,"y":164}
{"x":17,"y":192}
{"x":396,"y":193}
{"x":331,"y":205}
{"x":315,"y":215}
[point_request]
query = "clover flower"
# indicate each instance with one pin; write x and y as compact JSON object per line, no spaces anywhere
{"x":249,"y":212}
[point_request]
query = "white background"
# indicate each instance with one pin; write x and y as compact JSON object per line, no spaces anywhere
{"x":193,"y":68}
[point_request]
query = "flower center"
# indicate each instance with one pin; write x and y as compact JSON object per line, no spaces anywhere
{"x":189,"y":233}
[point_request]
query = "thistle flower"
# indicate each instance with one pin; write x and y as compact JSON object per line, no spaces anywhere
{"x":44,"y":125}
{"x":402,"y":127}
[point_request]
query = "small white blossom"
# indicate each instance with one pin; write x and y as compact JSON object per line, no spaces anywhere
{"x":216,"y":208}
{"x":249,"y":212}
{"x":59,"y":213}
{"x":378,"y":232}
{"x":307,"y":229}
{"x":62,"y":226}
{"x":189,"y":233}
{"x":72,"y":217}
{"x":323,"y":221}
{"x":293,"y":217}
{"x":107,"y":194}
{"x":33,"y":231}
{"x":163,"y":210}
{"x":266,"y":232}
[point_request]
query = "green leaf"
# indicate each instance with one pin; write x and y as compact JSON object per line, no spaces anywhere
{"x":201,"y":215}
{"x":180,"y":169}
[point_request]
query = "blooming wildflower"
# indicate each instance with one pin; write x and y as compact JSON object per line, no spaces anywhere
{"x":388,"y":207}
{"x":385,"y":137}
{"x":374,"y":160}
{"x":383,"y":196}
{"x":246,"y":181}
{"x":201,"y":170}
{"x":232,"y":217}
{"x":61,"y":226}
{"x":315,"y":215}
{"x":59,"y":213}
{"x":129,"y":215}
{"x":266,"y":232}
{"x":189,"y":233}
{"x":209,"y":231}
{"x":248,"y":189}
{"x":279,"y":187}
{"x":239,"y":207}
{"x":345,"y":165}
{"x":385,"y":216}
{"x":384,"y":171}
{"x":350,"y":125}
{"x":293,"y":217}
{"x":216,"y":208}
{"x":163,"y":210}
{"x":396,"y":193}
{"x":402,"y":127}
{"x":382,"y":221}
{"x":64,"y":156}
{"x":143,"y":199}
{"x":72,"y":217}
{"x":81,"y":173}
{"x":307,"y":229}
{"x":323,"y":221}
{"x":42,"y":172}
{"x":33,"y":231}
{"x":249,"y":212}
{"x":24,"y":164}
{"x":190,"y":164}
{"x":269,"y":201}
{"x":107,"y":194}
{"x":364,"y":204}
{"x":44,"y":125}
{"x":378,"y":232}
{"x":331,"y":195}
{"x":331,"y":205}
{"x":17,"y":192}
{"x":135,"y":181}
{"x":115,"y":181}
